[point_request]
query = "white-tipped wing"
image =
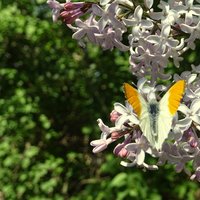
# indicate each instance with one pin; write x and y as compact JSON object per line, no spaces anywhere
{"x":168,"y":107}
{"x":164,"y":126}
{"x":140,"y":107}
{"x":145,"y":125}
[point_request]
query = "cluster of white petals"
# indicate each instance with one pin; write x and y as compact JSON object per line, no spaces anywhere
{"x":152,"y":38}
{"x":183,"y":142}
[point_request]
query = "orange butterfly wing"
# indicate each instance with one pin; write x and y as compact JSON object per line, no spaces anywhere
{"x":175,"y":95}
{"x":133,"y":97}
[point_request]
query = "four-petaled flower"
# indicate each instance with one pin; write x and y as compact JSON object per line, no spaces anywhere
{"x":192,"y":114}
{"x":56,"y":8}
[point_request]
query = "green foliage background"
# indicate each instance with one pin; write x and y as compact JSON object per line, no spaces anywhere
{"x":51,"y":93}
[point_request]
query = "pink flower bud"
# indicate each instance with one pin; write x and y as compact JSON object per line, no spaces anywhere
{"x":123,"y":153}
{"x":114,"y":115}
{"x":193,"y":143}
{"x":99,"y":145}
{"x":115,"y":135}
{"x":72,"y":11}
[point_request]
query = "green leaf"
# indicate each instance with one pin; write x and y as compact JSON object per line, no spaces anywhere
{"x":119,"y":180}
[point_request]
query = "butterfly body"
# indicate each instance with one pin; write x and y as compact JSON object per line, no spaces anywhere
{"x":156,"y":117}
{"x":153,"y":110}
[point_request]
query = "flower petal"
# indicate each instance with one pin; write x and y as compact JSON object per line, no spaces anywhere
{"x":184,"y":109}
{"x":187,"y":29}
{"x":148,"y":3}
{"x":79,"y":34}
{"x":97,"y":142}
{"x":196,"y":119}
{"x":126,"y":164}
{"x":140,"y":157}
{"x":121,"y":120}
{"x":154,"y":39}
{"x":97,"y":10}
{"x":120,"y":108}
{"x":184,"y":124}
{"x":172,"y":43}
{"x":100,"y":148}
{"x":165,"y":30}
{"x":150,"y":167}
{"x":104,"y":2}
{"x":189,"y":18}
{"x":191,"y":78}
{"x":133,"y":119}
{"x":102,"y":126}
{"x":197,"y":92}
{"x":132,"y":147}
{"x":140,"y":83}
{"x":138,"y":13}
{"x":195,"y":106}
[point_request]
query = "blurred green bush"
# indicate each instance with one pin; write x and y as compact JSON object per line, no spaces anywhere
{"x":51,"y":93}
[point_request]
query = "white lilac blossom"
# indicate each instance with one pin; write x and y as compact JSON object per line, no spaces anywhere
{"x":107,"y":16}
{"x":86,"y":28}
{"x":152,"y":39}
{"x":56,"y":8}
{"x":111,"y":38}
{"x":178,"y":151}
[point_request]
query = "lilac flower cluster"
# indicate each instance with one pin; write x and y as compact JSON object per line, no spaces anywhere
{"x":183,"y":143}
{"x":153,"y":39}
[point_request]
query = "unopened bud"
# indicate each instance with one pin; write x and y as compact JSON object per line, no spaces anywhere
{"x":114,"y":115}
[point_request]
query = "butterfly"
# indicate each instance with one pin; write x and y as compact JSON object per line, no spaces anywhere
{"x":155,"y":118}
